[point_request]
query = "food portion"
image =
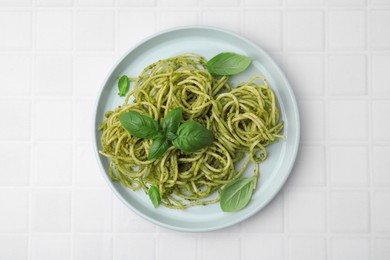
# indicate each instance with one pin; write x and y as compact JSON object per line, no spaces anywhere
{"x":182,"y":129}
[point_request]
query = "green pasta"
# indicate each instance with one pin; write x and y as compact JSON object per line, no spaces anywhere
{"x":244,"y":121}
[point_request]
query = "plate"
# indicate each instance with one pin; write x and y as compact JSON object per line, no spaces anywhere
{"x":207,"y":42}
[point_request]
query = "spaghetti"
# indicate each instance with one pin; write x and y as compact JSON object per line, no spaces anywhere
{"x":243,"y":120}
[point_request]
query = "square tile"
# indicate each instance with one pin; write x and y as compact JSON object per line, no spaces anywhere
{"x":379,"y":65}
{"x":349,"y":165}
{"x":349,"y":212}
{"x":14,"y":160}
{"x":86,"y":169}
{"x":51,"y":210}
{"x":14,"y":247}
{"x":179,"y":3}
{"x":14,"y":210}
{"x":52,"y":119}
{"x":307,"y":248}
{"x":95,"y":31}
{"x":90,"y":73}
{"x":300,"y":24}
{"x":95,"y":2}
{"x":54,"y":30}
{"x":137,"y":2}
{"x":219,"y":3}
{"x":381,"y":211}
{"x":306,"y":211}
{"x":55,"y":3}
{"x":83,"y":119}
{"x":382,"y":248}
{"x":306,"y":74}
{"x":92,"y":210}
{"x":310,"y":167}
{"x":15,"y":3}
{"x":270,"y":25}
{"x":269,"y":219}
{"x":348,"y":120}
{"x":129,"y":36}
{"x":347,"y":75}
{"x":262,"y":2}
{"x":262,"y":247}
{"x":349,"y":248}
{"x":180,"y":244}
{"x":53,"y":246}
{"x":17,"y":114}
{"x":347,"y":3}
{"x":379,"y":23}
{"x":381,"y":165}
{"x":127,"y":221}
{"x":128,"y":247}
{"x":347,"y":30}
{"x":11,"y":67}
{"x":53,"y":75}
{"x":229,"y":20}
{"x":305,"y":2}
{"x":91,"y":246}
{"x":381,"y":126}
{"x":220,"y":247}
{"x":170,"y":19}
{"x":312,"y":113}
{"x":18,"y":36}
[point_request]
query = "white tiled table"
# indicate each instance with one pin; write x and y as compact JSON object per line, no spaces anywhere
{"x":53,"y":202}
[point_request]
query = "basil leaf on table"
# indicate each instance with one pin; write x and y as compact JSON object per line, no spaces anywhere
{"x":154,"y":196}
{"x":192,"y":136}
{"x":237,"y":194}
{"x":140,"y":126}
{"x":171,"y":122}
{"x":123,"y":85}
{"x":227,"y":63}
{"x":159,"y":147}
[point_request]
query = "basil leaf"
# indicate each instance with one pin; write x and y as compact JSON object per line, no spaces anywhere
{"x":138,"y":125}
{"x":227,"y":63}
{"x":154,"y":196}
{"x":123,"y":85}
{"x":171,"y":136}
{"x":172,"y":120}
{"x":236,"y":194}
{"x":159,"y":147}
{"x":192,"y":136}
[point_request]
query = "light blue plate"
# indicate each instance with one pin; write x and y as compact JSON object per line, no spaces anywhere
{"x":206,"y":42}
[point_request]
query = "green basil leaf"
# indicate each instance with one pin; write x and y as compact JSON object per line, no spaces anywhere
{"x":171,"y":136}
{"x":159,"y":147}
{"x":154,"y":196}
{"x":227,"y":63}
{"x":172,"y":120}
{"x":138,"y":125}
{"x":192,"y":136}
{"x":123,"y":85}
{"x":236,"y":194}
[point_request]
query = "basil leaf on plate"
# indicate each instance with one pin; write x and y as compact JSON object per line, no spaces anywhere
{"x":123,"y":85}
{"x":154,"y":196}
{"x":171,"y":122}
{"x":159,"y":147}
{"x":192,"y":136}
{"x":227,"y":63}
{"x":138,"y":125}
{"x":237,"y":194}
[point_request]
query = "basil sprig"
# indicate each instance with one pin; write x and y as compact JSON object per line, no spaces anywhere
{"x":227,"y":63}
{"x":190,"y":136}
{"x":237,"y":194}
{"x":154,"y":196}
{"x":123,"y":85}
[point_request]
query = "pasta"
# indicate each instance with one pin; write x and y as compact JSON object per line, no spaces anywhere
{"x":243,"y":120}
